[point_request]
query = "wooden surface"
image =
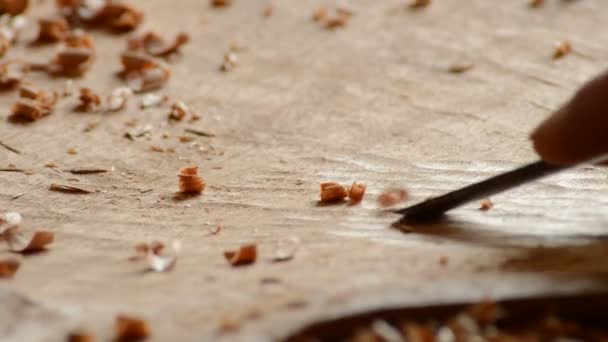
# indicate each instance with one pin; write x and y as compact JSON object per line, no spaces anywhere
{"x":371,"y":102}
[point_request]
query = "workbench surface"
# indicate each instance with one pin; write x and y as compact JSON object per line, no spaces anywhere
{"x":369,"y":102}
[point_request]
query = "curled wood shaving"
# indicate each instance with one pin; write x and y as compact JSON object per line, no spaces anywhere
{"x":81,"y":336}
{"x":12,"y":73}
{"x":118,"y":99}
{"x":562,"y":49}
{"x":68,"y":189}
{"x":13,"y":7}
{"x":75,"y":59}
{"x":356,"y":192}
{"x":52,"y":30}
{"x":18,"y":242}
{"x":245,"y":255}
{"x":536,"y":3}
{"x":199,"y":132}
{"x":230,"y":62}
{"x":220,"y":3}
{"x":131,"y":328}
{"x":286,"y":249}
{"x":155,"y":45}
{"x":486,"y":204}
{"x":8,"y":268}
{"x":190,"y":182}
{"x":142,"y":73}
{"x":33,"y":104}
{"x":332,"y":192}
{"x":89,"y":100}
{"x":460,"y":68}
{"x":113,"y":15}
{"x":391,"y":197}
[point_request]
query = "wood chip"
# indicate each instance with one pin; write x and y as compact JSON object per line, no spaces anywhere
{"x":420,"y":3}
{"x":199,"y":132}
{"x":230,"y":62}
{"x":486,"y":204}
{"x":13,"y":7}
{"x":8,"y":268}
{"x":89,"y":100}
{"x":245,"y":255}
{"x":220,"y":3}
{"x":118,"y":99}
{"x":68,"y":189}
{"x":185,"y":139}
{"x":319,"y":14}
{"x":155,"y":45}
{"x":9,"y":220}
{"x":179,"y":110}
{"x":142,"y":73}
{"x":72,"y":150}
{"x":152,"y":100}
{"x":460,"y":68}
{"x":12,"y":73}
{"x":536,"y":3}
{"x":392,"y":197}
{"x":131,"y":328}
{"x":120,"y":16}
{"x":33,"y":104}
{"x":87,"y":171}
{"x":268,"y":10}
{"x":10,"y":148}
{"x":286,"y":249}
{"x":332,"y":192}
{"x":19,"y":242}
{"x":81,"y":336}
{"x":190,"y":182}
{"x":356,"y":192}
{"x":215,"y":230}
{"x":562,"y":49}
{"x":52,"y":30}
{"x":75,"y":59}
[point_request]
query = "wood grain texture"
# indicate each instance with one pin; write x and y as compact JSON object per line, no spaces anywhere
{"x":371,"y":102}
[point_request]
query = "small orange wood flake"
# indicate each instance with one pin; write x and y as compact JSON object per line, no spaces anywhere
{"x":13,"y":7}
{"x":562,"y":49}
{"x":536,"y":3}
{"x":420,"y":3}
{"x":53,"y":29}
{"x":81,"y":336}
{"x":190,"y":182}
{"x":486,"y":204}
{"x":155,"y":45}
{"x":19,"y":242}
{"x":131,"y":328}
{"x":393,"y":196}
{"x":33,"y":104}
{"x":332,"y":192}
{"x":245,"y":255}
{"x":356,"y":192}
{"x":8,"y":268}
{"x":220,"y":3}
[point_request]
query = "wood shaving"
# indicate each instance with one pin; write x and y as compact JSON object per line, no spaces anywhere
{"x":139,"y":132}
{"x":562,"y":49}
{"x":536,"y":3}
{"x":179,"y":110}
{"x":10,"y":148}
{"x":81,"y":336}
{"x":155,"y":45}
{"x":356,"y":192}
{"x":185,"y":139}
{"x":460,"y":68}
{"x":268,"y":11}
{"x":220,"y":3}
{"x":9,"y":220}
{"x":156,"y":260}
{"x":444,"y":260}
{"x":486,"y":204}
{"x":112,"y":15}
{"x":330,"y":20}
{"x":12,"y":73}
{"x":8,"y":268}
{"x":199,"y":132}
{"x":75,"y":59}
{"x":156,"y":148}
{"x":319,"y":14}
{"x":13,"y":7}
{"x":10,"y":28}
{"x":33,"y":104}
{"x":286,"y":249}
{"x":72,"y":150}
{"x":215,"y":230}
{"x":52,"y":30}
{"x":87,"y":171}
{"x":142,"y":73}
{"x":152,"y":100}
{"x":332,"y":192}
{"x":190,"y":182}
{"x":245,"y":255}
{"x":19,"y":242}
{"x":131,"y":328}
{"x":118,"y":99}
{"x":68,"y":189}
{"x":420,"y":3}
{"x":89,"y":100}
{"x":391,"y":197}
{"x":230,"y":62}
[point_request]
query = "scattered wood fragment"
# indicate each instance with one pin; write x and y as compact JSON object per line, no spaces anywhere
{"x":10,"y":28}
{"x":8,"y":268}
{"x":268,"y":10}
{"x":392,"y":196}
{"x":562,"y":49}
{"x":155,"y":45}
{"x":12,"y":73}
{"x":245,"y":255}
{"x":19,"y":242}
{"x":138,"y":132}
{"x":156,"y":260}
{"x":215,"y":230}
{"x":87,"y":171}
{"x":156,"y":148}
{"x":72,"y":150}
{"x":118,"y":99}
{"x":112,"y":15}
{"x":81,"y":336}
{"x":75,"y":59}
{"x":190,"y":182}
{"x":9,"y":220}
{"x":199,"y":132}
{"x":332,"y":192}
{"x":356,"y":192}
{"x":13,"y":7}
{"x":220,"y":3}
{"x":536,"y":3}
{"x":52,"y":30}
{"x":230,"y":62}
{"x":416,"y":4}
{"x":444,"y":260}
{"x":143,"y":74}
{"x":12,"y":169}
{"x":330,"y":20}
{"x":460,"y":68}
{"x":185,"y":139}
{"x":152,"y":100}
{"x":10,"y":148}
{"x":131,"y":328}
{"x":68,"y":189}
{"x":486,"y":204}
{"x":32,"y":104}
{"x":178,"y":111}
{"x":286,"y":249}
{"x":89,"y":100}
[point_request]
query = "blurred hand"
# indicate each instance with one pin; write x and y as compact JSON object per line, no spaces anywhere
{"x":578,"y":131}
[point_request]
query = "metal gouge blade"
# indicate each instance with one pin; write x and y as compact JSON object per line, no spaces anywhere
{"x":435,"y":207}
